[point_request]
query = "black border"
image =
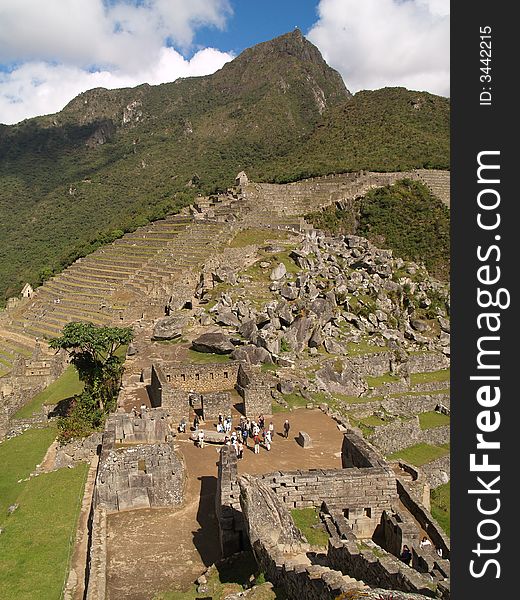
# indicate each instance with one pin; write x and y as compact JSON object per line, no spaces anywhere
{"x":476,"y":128}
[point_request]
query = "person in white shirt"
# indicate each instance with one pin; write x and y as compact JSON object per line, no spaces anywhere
{"x":425,"y":542}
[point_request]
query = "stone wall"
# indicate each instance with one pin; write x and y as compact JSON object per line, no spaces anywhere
{"x":373,"y":365}
{"x":170,"y":387}
{"x":96,"y":575}
{"x":83,"y":450}
{"x":283,"y":555}
{"x":362,"y":491}
{"x":227,"y":504}
{"x":357,"y":452}
{"x":424,"y":362}
{"x":255,"y":389}
{"x":380,"y":565}
{"x":398,"y":529}
{"x":423,"y":518}
{"x":215,"y":404}
{"x":402,"y":434}
{"x":198,"y":378}
{"x":384,"y":571}
{"x":139,"y":477}
{"x":437,"y":472}
{"x":402,"y":406}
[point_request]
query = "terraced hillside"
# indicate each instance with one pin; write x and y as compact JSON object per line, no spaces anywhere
{"x":138,"y":272}
{"x":438,"y":183}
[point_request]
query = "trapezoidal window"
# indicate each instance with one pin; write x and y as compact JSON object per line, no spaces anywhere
{"x":367,"y":512}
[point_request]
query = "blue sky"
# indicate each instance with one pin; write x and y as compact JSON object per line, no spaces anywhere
{"x":52,"y":50}
{"x":257,"y":21}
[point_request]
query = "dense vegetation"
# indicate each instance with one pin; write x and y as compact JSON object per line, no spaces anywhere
{"x":93,"y":351}
{"x":405,"y":217}
{"x":113,"y":160}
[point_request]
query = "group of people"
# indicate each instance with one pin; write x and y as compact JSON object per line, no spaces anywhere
{"x":257,"y":430}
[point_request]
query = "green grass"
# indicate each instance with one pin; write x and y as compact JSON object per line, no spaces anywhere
{"x":295,"y":400}
{"x":429,"y":420}
{"x":206,"y":358}
{"x":381,"y":380}
{"x":440,"y":503}
{"x":18,"y":458}
{"x":368,"y":424}
{"x":433,"y":377}
{"x":308,"y":522}
{"x":420,"y":454}
{"x":257,"y":237}
{"x":66,"y":386}
{"x":363,"y":347}
{"x":37,"y":539}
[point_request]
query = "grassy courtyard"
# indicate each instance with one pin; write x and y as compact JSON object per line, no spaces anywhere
{"x":308,"y":522}
{"x":37,"y":537}
{"x":420,"y":454}
{"x":66,"y":386}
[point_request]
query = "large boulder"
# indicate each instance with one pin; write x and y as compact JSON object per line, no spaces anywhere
{"x":299,"y":333}
{"x":248,"y":329}
{"x":217,"y":343}
{"x":227,"y":318}
{"x":346,"y":381}
{"x":170,"y":328}
{"x":278,"y":272}
{"x":253,"y":355}
{"x":267,"y":520}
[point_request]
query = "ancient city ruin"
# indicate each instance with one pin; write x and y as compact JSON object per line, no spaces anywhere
{"x":241,"y":331}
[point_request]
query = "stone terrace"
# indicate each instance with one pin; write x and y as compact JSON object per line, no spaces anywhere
{"x":135,"y":275}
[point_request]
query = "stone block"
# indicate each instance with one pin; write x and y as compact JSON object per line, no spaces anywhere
{"x":304,"y":439}
{"x":133,"y":499}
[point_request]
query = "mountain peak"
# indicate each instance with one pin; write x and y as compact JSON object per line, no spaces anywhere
{"x":293,"y":43}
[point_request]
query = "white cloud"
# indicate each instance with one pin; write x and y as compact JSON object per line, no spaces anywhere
{"x":37,"y":88}
{"x":378,"y":43}
{"x":56,"y":49}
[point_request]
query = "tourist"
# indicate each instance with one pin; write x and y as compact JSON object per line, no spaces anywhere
{"x":240,"y":450}
{"x":406,"y":555}
{"x":220,"y":428}
{"x":425,"y":542}
{"x":245,"y":434}
{"x":227,"y":441}
{"x":256,"y":439}
{"x":196,"y":422}
{"x":267,"y":439}
{"x":221,"y":419}
{"x":271,"y":429}
{"x":201,"y":438}
{"x":261,"y":421}
{"x":182,"y":425}
{"x":286,"y":427}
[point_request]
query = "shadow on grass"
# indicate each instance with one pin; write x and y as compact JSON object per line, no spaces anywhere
{"x":61,"y":409}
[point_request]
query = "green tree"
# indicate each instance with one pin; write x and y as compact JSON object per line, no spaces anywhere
{"x":93,"y":351}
